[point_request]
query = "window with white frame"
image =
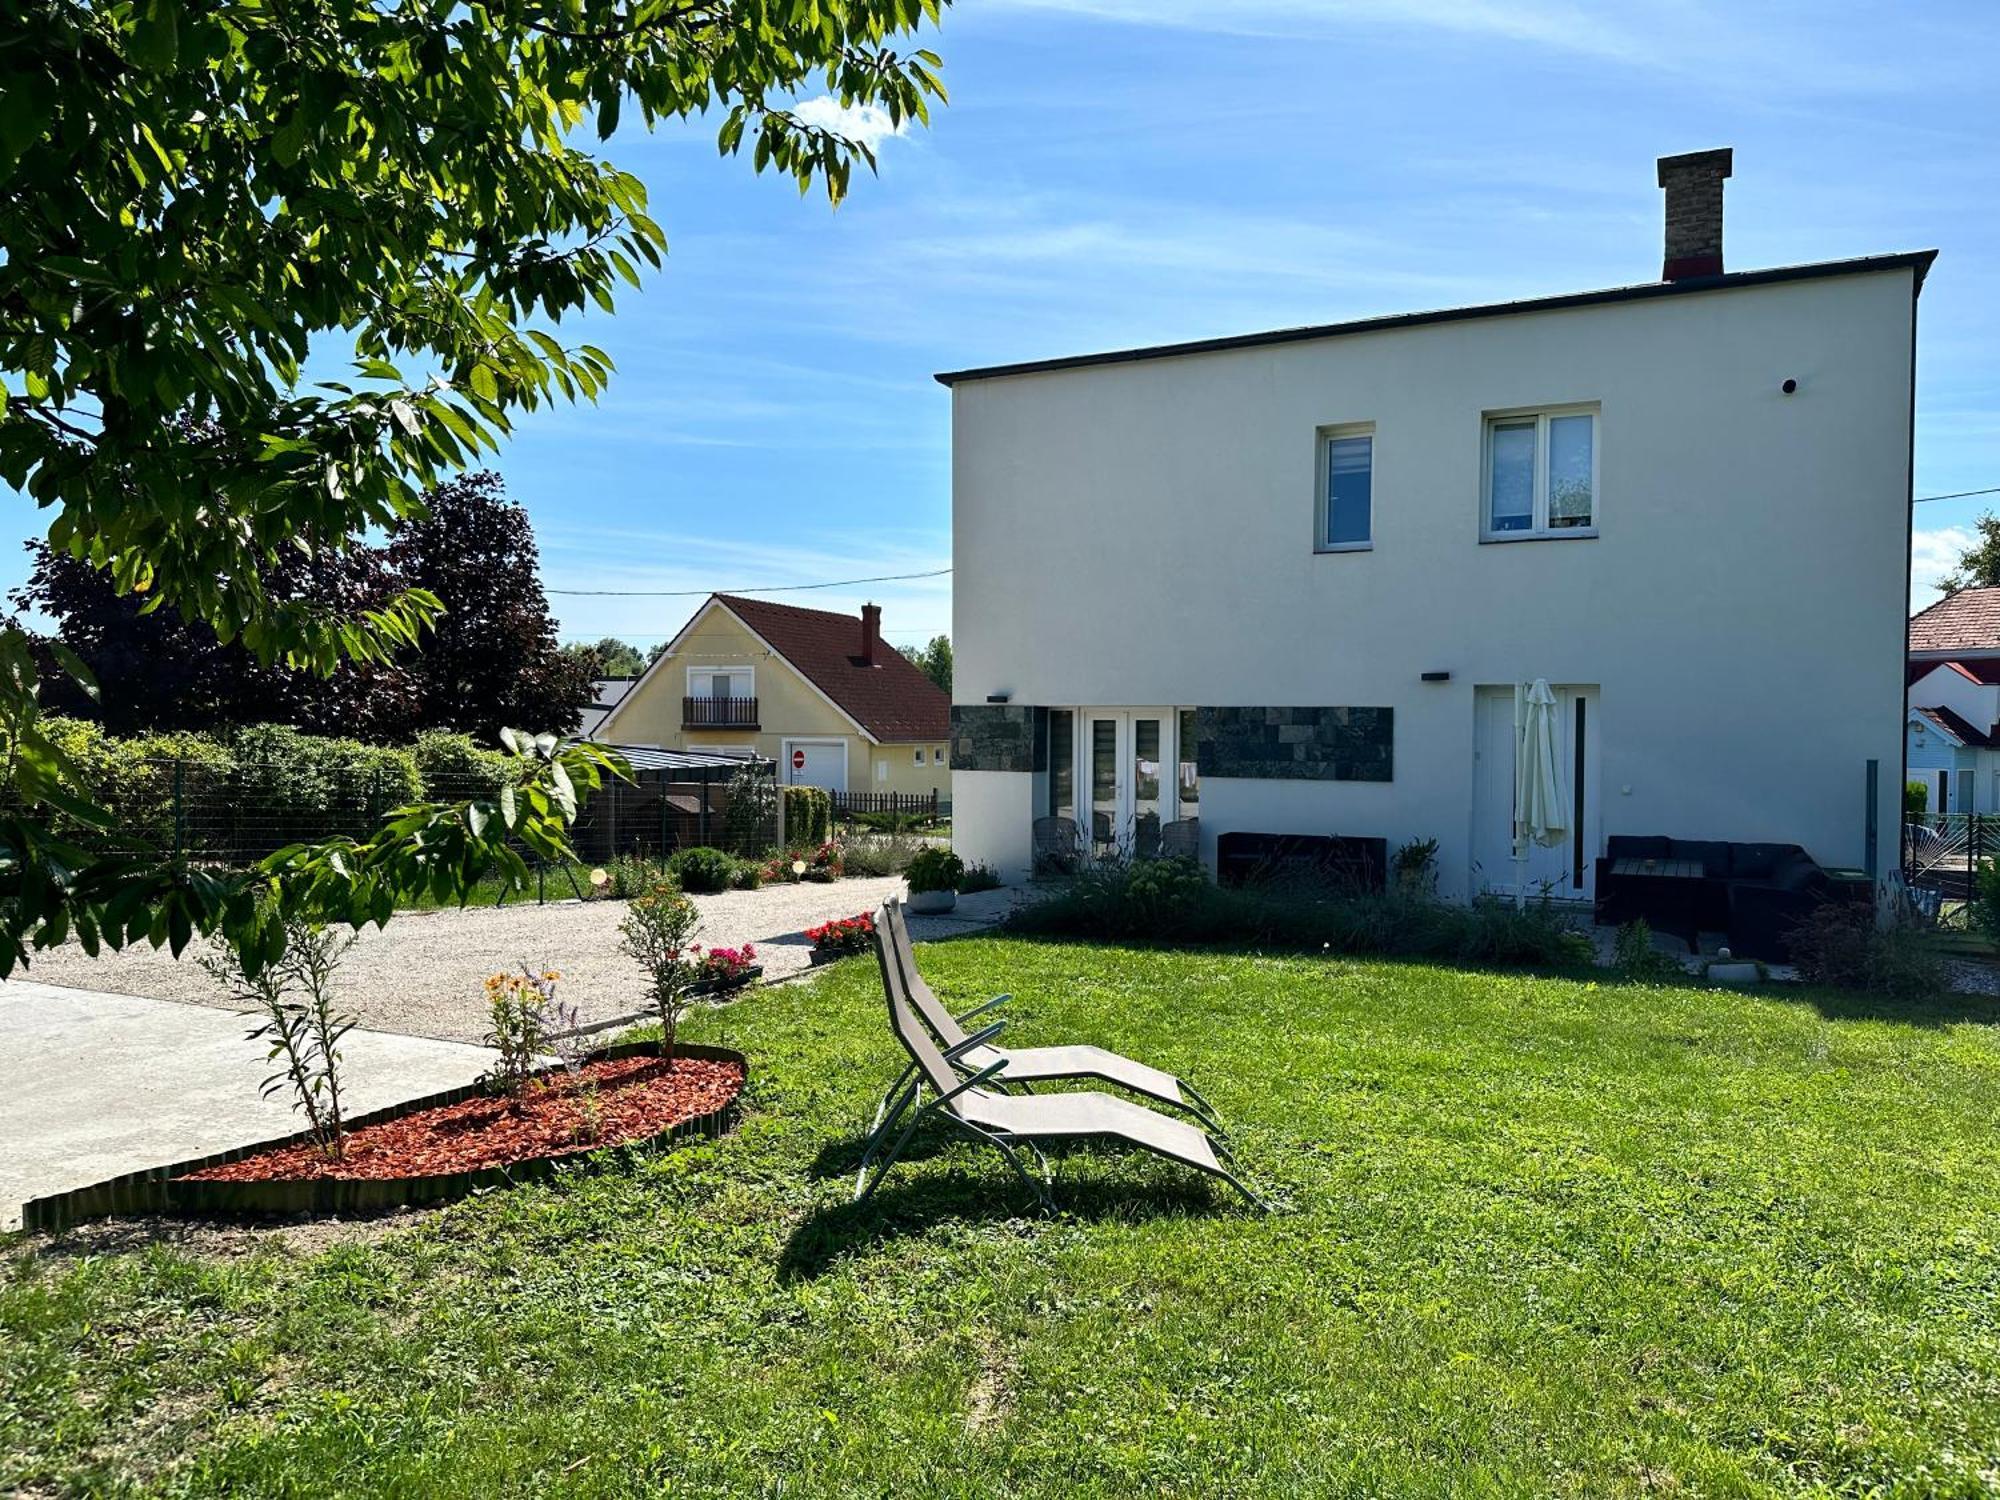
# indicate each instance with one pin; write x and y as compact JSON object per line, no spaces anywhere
{"x":919,"y":755}
{"x":1540,"y":474}
{"x":721,"y":682}
{"x":881,"y":770}
{"x":1347,"y":487}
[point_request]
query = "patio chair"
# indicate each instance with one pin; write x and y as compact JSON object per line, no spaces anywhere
{"x":1015,"y":1124}
{"x":1181,"y":839}
{"x":1025,"y":1066}
{"x":1057,"y":845}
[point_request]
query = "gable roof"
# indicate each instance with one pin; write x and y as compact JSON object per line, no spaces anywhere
{"x":1966,"y":621}
{"x":1918,"y":261}
{"x":1957,"y":727}
{"x":891,"y":700}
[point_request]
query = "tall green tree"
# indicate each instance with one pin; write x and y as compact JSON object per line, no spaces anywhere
{"x":934,"y":660}
{"x":1979,"y":565}
{"x":614,"y":658}
{"x":198,"y":198}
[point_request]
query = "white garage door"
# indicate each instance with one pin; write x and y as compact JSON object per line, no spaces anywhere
{"x":816,"y":763}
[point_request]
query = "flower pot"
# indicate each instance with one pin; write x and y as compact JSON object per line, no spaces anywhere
{"x":929,"y":903}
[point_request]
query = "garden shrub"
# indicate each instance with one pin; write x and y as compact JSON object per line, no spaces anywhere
{"x":1843,"y":945}
{"x":880,"y":853}
{"x":658,"y":932}
{"x":702,"y":870}
{"x":453,"y":767}
{"x":933,"y":868}
{"x":1916,"y":797}
{"x":749,"y":875}
{"x":630,"y":875}
{"x":1173,"y":901}
{"x":808,"y":816}
{"x":1634,"y":957}
{"x":978,"y":877}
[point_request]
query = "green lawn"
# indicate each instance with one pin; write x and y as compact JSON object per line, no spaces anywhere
{"x":1549,"y":1237}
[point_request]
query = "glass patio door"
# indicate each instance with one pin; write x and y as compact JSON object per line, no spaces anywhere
{"x":1123,"y":768}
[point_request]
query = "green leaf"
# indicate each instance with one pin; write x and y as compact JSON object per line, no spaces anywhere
{"x":156,"y":41}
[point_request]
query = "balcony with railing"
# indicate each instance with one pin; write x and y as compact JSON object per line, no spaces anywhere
{"x":718,"y":713}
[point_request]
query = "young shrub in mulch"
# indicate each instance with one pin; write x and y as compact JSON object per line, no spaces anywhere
{"x":293,"y":996}
{"x":659,"y":929}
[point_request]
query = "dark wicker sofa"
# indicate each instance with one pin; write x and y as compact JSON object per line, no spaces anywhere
{"x":1756,"y":893}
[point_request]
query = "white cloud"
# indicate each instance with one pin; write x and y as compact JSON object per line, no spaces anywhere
{"x":868,"y":124}
{"x":1932,"y":555}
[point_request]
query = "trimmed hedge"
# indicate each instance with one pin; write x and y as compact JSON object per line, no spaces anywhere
{"x":453,"y":767}
{"x":242,"y":797}
{"x":808,"y":815}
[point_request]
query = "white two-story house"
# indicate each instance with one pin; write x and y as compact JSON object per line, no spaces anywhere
{"x":1289,"y":582}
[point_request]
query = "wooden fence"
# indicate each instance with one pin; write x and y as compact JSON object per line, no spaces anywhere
{"x":847,"y":806}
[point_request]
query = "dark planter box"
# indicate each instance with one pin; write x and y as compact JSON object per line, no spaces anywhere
{"x":712,"y":987}
{"x":154,"y":1190}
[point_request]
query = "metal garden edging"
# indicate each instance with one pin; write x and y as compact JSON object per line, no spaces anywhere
{"x":154,"y":1190}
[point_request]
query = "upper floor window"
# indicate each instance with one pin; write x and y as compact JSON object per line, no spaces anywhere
{"x":1541,"y":475}
{"x":721,"y":682}
{"x":1347,"y":488}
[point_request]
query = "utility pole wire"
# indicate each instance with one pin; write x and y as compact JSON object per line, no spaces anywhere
{"x":770,"y":588}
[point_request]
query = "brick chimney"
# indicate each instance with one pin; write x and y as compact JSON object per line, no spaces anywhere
{"x":871,"y":633}
{"x":1694,"y":213}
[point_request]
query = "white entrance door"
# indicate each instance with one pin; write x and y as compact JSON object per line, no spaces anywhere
{"x":1121,"y":763}
{"x":815,"y":763}
{"x":1569,"y":870}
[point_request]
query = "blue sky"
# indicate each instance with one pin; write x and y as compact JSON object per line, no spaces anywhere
{"x":1112,"y":172}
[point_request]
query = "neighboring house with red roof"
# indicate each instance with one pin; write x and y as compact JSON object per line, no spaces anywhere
{"x":820,"y":693}
{"x":1952,"y":734}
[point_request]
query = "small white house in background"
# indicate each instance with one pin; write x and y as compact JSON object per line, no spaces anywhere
{"x":1953,"y":724}
{"x":1287,"y":582}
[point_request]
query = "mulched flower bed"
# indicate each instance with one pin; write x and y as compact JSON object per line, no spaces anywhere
{"x":637,"y":1098}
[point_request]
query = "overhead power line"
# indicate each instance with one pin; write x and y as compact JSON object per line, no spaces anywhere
{"x":769,"y":588}
{"x":1957,"y":495}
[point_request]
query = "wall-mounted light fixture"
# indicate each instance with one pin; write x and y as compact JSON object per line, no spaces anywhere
{"x":1790,"y":386}
{"x":1437,"y":677}
{"x":999,"y":697}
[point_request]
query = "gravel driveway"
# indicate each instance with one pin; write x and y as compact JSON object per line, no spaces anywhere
{"x":421,"y":975}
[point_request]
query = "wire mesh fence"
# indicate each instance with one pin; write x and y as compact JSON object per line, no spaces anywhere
{"x":229,"y":813}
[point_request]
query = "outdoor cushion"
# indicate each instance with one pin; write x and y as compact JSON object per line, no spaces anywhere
{"x":1757,"y":861}
{"x":1713,"y":856}
{"x":1638,"y":846}
{"x":1797,"y":871}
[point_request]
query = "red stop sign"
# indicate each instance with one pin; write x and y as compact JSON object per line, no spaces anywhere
{"x":798,"y":760}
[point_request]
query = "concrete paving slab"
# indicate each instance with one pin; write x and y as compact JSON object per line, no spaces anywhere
{"x":93,"y":1085}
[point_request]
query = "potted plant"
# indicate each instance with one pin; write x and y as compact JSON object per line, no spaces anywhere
{"x":933,"y":876}
{"x":840,"y":937}
{"x":723,"y":971}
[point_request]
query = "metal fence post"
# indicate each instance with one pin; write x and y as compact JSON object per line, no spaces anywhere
{"x":1874,"y":772}
{"x":180,"y":809}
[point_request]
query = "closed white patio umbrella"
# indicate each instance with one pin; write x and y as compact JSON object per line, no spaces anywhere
{"x":1540,"y":801}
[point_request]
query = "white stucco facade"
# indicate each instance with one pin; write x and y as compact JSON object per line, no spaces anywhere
{"x":1143,"y":533}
